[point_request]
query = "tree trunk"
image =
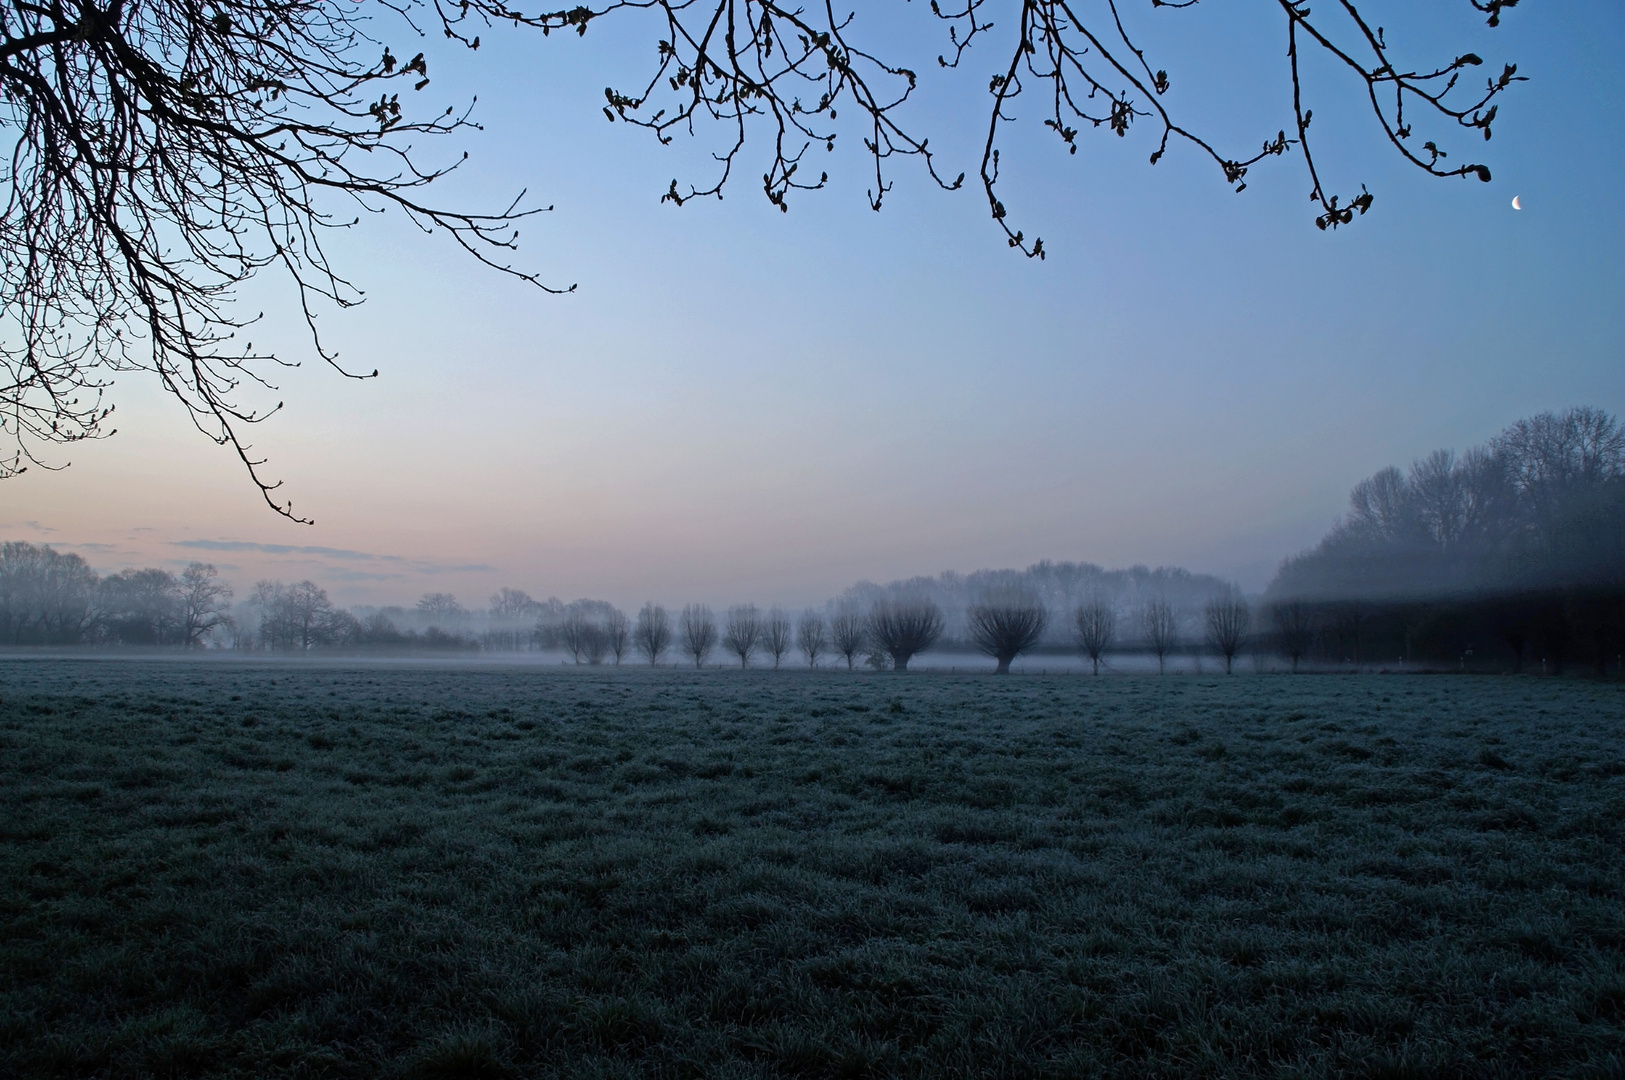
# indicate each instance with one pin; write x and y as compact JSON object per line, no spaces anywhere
{"x":1004,"y":666}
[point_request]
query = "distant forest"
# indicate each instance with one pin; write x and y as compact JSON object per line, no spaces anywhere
{"x":1508,"y":554}
{"x":48,"y":597}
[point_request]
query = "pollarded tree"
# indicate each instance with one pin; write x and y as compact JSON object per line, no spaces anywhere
{"x":577,"y":635}
{"x":699,"y":630}
{"x":1006,"y":624}
{"x":849,"y":633}
{"x":1161,"y":628}
{"x":1093,"y":626}
{"x":903,"y":626}
{"x":1226,"y":619}
{"x":652,"y":635}
{"x":160,"y":154}
{"x":743,"y":633}
{"x":595,"y":643}
{"x":1294,"y":629}
{"x":810,"y":636}
{"x":617,"y":634}
{"x":777,"y":635}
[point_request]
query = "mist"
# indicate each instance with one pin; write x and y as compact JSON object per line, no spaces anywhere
{"x":1505,"y":552}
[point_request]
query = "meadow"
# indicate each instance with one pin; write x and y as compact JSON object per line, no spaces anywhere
{"x":363,"y":870}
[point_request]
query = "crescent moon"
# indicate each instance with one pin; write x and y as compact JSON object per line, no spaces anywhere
{"x":1516,"y":204}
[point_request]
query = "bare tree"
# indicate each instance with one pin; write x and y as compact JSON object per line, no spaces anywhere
{"x":379,"y":629}
{"x":617,"y":635}
{"x":594,"y":643}
{"x":513,"y":619}
{"x":810,"y":636}
{"x":576,"y":635}
{"x":743,"y":633}
{"x":297,"y":616}
{"x":205,"y":602}
{"x":162,"y":153}
{"x":139,"y":607}
{"x":47,"y":597}
{"x":442,"y":609}
{"x":159,"y":155}
{"x":653,"y":632}
{"x":1005,"y":624}
{"x":1294,"y":629}
{"x":903,"y":626}
{"x":776,"y":635}
{"x":1227,"y":620}
{"x":1161,"y":627}
{"x":512,"y":605}
{"x":1548,"y":455}
{"x":849,"y":633}
{"x":699,"y":629}
{"x":1093,"y":625}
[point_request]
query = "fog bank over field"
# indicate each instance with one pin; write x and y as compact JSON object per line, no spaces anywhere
{"x":50,"y":597}
{"x":1512,"y":550}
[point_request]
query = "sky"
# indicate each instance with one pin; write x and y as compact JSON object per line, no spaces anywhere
{"x":739,"y":405}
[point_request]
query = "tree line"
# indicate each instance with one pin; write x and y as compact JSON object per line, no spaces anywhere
{"x":1511,"y":552}
{"x":48,"y":597}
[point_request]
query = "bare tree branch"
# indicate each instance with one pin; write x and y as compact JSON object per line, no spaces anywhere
{"x":164,"y":152}
{"x":1006,"y":624}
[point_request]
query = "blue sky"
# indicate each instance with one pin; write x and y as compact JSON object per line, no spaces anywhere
{"x":738,"y":404}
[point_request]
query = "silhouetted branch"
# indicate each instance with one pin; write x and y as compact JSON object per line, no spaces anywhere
{"x":742,"y":63}
{"x":165,"y":152}
{"x":699,"y":633}
{"x":903,"y":626}
{"x":1093,"y":625}
{"x":1226,"y":620}
{"x":810,"y":636}
{"x":652,"y":635}
{"x":1004,"y":626}
{"x":849,"y":634}
{"x":1161,"y":627}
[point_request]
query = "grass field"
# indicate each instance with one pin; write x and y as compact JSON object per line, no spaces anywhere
{"x":300,"y":870}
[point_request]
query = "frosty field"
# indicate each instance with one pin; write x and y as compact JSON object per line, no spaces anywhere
{"x":213,"y":869}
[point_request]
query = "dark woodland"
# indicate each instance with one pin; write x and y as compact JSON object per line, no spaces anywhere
{"x":1509,"y":554}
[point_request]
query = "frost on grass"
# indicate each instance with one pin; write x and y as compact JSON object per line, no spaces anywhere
{"x":297,"y":870}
